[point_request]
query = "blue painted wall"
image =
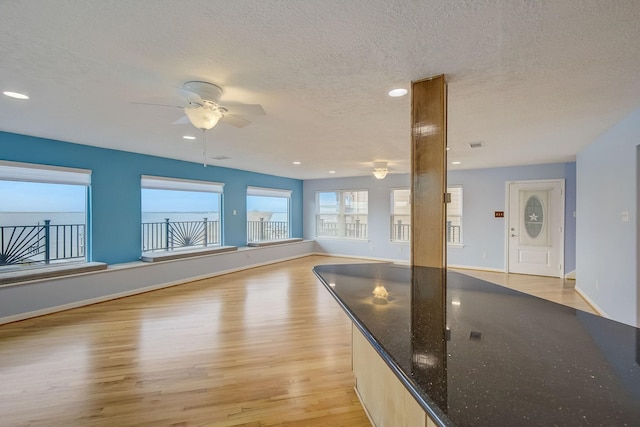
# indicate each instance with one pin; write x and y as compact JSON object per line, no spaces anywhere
{"x":483,"y":193}
{"x":607,"y":256}
{"x":115,"y":190}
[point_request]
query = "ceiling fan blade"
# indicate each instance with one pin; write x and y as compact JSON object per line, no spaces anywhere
{"x":244,"y":109}
{"x":181,"y":121}
{"x":191,"y":97}
{"x":234,"y":120}
{"x":156,"y":105}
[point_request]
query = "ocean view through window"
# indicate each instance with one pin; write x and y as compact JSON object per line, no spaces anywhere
{"x":267,"y":214}
{"x":180,"y":214}
{"x":43,"y":216}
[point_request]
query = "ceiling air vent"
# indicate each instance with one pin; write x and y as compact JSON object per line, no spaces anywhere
{"x":478,"y":144}
{"x":220,"y":158}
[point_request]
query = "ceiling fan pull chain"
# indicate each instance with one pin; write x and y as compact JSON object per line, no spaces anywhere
{"x":204,"y":149}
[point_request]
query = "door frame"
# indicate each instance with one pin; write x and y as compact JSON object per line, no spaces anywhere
{"x":507,"y":215}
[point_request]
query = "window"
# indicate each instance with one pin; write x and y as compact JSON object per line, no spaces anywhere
{"x":43,"y":215}
{"x":454,"y":215}
{"x":267,"y":214}
{"x":342,"y":214}
{"x":180,"y":213}
{"x":400,"y":215}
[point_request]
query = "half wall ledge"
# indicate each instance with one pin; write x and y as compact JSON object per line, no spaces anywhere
{"x":15,"y":277}
{"x":168,"y":256}
{"x":273,"y":242}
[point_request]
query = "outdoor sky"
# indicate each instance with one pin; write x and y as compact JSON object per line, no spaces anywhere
{"x":36,"y":197}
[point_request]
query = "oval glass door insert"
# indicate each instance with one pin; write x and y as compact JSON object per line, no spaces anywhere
{"x":534,"y":216}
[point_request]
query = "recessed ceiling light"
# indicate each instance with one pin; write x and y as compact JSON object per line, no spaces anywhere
{"x":456,"y":163}
{"x":15,"y":95}
{"x":332,"y":171}
{"x":448,"y":148}
{"x":297,"y":163}
{"x":188,"y":137}
{"x":398,"y":92}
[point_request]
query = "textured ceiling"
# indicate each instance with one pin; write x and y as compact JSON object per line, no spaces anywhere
{"x":536,"y":81}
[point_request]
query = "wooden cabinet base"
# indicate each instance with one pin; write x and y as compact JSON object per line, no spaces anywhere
{"x":384,"y":398}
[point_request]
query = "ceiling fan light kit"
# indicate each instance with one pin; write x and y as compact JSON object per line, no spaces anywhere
{"x":380,"y":170}
{"x":203,"y":118}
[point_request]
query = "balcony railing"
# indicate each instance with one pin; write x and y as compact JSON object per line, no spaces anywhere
{"x":259,"y":231}
{"x":41,"y":244}
{"x":453,"y":233}
{"x":402,"y":232}
{"x":169,"y":235}
{"x":354,"y":230}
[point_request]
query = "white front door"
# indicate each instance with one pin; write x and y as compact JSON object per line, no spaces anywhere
{"x":535,"y":236}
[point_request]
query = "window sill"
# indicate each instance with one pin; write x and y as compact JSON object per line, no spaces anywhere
{"x":184,"y":253}
{"x":19,"y":276}
{"x":455,"y":245}
{"x":356,"y":239}
{"x":273,"y":242}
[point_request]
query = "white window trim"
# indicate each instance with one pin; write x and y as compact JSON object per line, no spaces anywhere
{"x":47,"y":174}
{"x":340,"y":213}
{"x":392,"y":210}
{"x":461,"y":244}
{"x":31,"y":172}
{"x":149,"y":182}
{"x":178,"y":184}
{"x":272,"y":192}
{"x":391,"y":190}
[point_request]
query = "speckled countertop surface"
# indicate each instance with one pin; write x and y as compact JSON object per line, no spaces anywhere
{"x":478,"y":354}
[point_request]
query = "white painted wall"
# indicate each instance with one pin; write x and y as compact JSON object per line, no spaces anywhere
{"x":483,"y":234}
{"x":484,"y":193}
{"x":378,"y":245}
{"x":606,"y":254}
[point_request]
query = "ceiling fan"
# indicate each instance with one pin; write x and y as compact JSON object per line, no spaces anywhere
{"x":204,"y":109}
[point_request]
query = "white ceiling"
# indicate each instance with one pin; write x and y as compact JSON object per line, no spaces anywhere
{"x":536,"y":81}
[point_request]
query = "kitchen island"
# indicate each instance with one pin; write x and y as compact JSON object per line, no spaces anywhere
{"x":471,"y":353}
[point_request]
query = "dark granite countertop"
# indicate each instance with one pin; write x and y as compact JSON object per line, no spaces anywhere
{"x":477,"y":354}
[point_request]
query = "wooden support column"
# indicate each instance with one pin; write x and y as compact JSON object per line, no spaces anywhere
{"x":428,"y":236}
{"x":428,"y":172}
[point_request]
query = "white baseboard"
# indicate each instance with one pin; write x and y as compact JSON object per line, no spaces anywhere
{"x":591,"y":303}
{"x":406,"y":262}
{"x":570,"y":275}
{"x":395,"y":261}
{"x":475,"y":267}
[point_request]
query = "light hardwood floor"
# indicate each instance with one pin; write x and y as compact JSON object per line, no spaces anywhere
{"x":561,"y":291}
{"x":266,"y":346}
